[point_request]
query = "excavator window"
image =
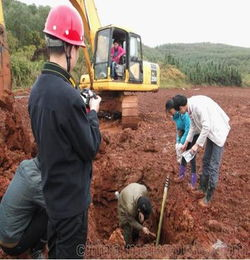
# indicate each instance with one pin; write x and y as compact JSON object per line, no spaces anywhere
{"x":131,"y":60}
{"x":135,"y":59}
{"x":102,"y":54}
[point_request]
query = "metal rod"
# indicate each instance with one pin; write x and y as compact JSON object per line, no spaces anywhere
{"x":162,"y":210}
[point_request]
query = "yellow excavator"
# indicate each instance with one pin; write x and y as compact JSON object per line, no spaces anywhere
{"x":133,"y":74}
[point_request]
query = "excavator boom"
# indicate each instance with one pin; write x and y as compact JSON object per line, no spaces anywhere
{"x":91,"y":22}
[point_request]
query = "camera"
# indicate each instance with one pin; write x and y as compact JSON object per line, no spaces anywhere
{"x":86,"y":95}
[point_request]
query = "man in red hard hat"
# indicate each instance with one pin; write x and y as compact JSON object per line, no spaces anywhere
{"x":68,"y":137}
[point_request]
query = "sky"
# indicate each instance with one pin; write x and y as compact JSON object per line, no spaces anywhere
{"x":176,"y":21}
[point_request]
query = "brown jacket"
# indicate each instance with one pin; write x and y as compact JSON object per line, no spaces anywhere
{"x":127,"y":204}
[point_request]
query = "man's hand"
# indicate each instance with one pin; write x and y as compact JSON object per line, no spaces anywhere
{"x":94,"y":103}
{"x":145,"y":230}
{"x":194,"y":148}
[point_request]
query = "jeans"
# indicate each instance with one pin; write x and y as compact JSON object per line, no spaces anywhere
{"x":130,"y":235}
{"x":113,"y":74}
{"x":67,"y":237}
{"x":211,"y":165}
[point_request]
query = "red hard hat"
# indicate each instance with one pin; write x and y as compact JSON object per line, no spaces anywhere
{"x":65,"y":23}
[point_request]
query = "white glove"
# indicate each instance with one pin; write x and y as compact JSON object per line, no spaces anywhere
{"x":178,"y":152}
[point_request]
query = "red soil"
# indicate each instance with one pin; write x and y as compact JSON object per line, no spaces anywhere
{"x":147,"y":156}
{"x":15,"y":143}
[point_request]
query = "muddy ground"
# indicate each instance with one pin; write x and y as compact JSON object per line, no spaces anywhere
{"x":147,"y":156}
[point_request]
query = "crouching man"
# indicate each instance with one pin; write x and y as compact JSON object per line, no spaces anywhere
{"x":23,"y":218}
{"x":134,"y":208}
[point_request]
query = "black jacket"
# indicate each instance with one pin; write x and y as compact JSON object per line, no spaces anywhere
{"x":68,"y":139}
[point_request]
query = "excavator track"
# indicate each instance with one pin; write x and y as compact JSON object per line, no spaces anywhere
{"x":126,"y":105}
{"x":130,"y":113}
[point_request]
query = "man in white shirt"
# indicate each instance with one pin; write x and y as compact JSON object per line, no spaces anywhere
{"x":208,"y":119}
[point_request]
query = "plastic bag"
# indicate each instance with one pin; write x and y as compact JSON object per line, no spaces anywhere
{"x":188,"y":155}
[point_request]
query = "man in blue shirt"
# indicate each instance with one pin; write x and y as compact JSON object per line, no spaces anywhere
{"x":182,"y":122}
{"x":23,"y":219}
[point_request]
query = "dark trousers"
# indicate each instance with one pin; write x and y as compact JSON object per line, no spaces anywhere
{"x":211,"y":165}
{"x":193,"y":161}
{"x":130,"y":235}
{"x":34,"y":237}
{"x":112,"y":68}
{"x":67,"y":237}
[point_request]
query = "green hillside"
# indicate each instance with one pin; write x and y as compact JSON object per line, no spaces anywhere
{"x":232,"y":55}
{"x":189,"y":55}
{"x":181,"y":64}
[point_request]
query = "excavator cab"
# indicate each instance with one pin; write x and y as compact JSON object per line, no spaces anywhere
{"x":130,"y":66}
{"x":132,"y":73}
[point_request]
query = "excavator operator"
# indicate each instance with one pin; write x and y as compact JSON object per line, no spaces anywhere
{"x":116,"y":53}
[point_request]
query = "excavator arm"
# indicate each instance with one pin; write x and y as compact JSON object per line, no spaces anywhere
{"x":91,"y":22}
{"x":5,"y":74}
{"x":90,"y":18}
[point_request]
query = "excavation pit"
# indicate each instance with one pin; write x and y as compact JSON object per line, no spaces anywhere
{"x":147,"y":156}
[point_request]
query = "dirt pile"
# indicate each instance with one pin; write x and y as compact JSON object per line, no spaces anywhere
{"x":15,"y":143}
{"x":147,"y":156}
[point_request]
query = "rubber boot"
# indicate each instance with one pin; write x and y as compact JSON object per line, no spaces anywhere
{"x":182,"y":171}
{"x":192,"y":185}
{"x":193,"y":179}
{"x":204,"y":183}
{"x":209,"y":194}
{"x":201,"y":191}
{"x":205,"y":201}
{"x":181,"y":176}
